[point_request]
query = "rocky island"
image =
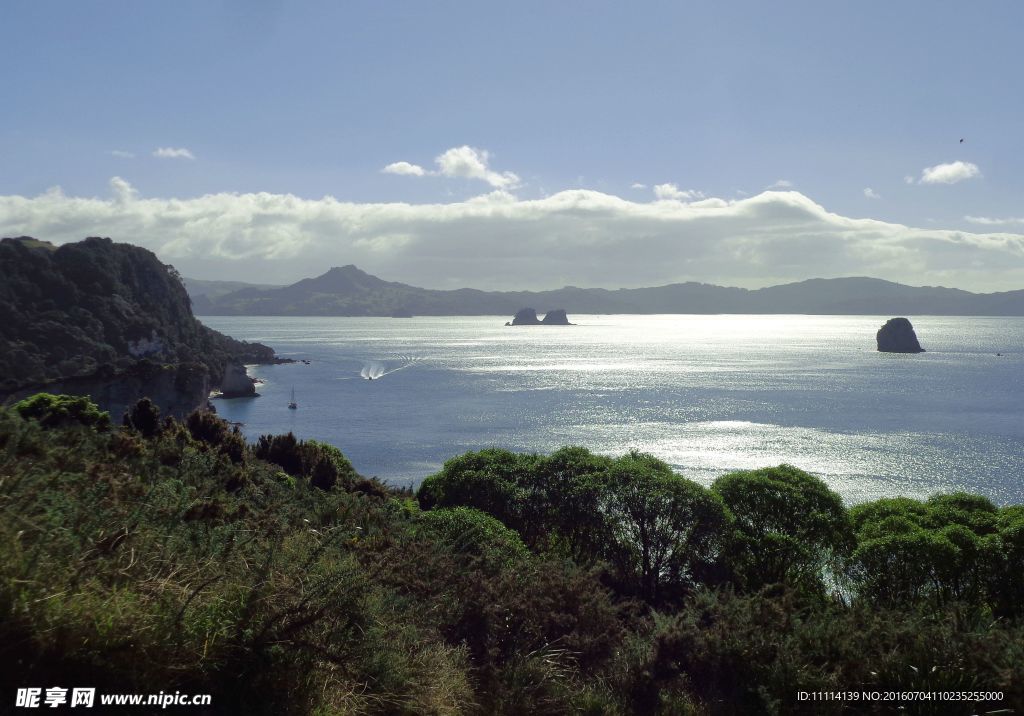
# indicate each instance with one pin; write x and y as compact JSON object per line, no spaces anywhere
{"x":898,"y":336}
{"x":528,"y":317}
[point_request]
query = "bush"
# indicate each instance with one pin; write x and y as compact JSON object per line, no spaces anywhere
{"x":144,"y":417}
{"x":57,"y":411}
{"x":473,"y":532}
{"x":493,"y":481}
{"x":323,"y":465}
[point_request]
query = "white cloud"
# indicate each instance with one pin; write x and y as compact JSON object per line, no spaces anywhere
{"x":870,"y":193}
{"x":404,"y":168}
{"x":460,"y":162}
{"x":637,"y":185}
{"x":908,"y":179}
{"x":988,"y":221}
{"x":121,"y":154}
{"x":497,"y":240}
{"x":781,"y":184}
{"x":672,"y":192}
{"x":122,"y":190}
{"x":950,"y":173}
{"x":173,"y":153}
{"x":470,"y":163}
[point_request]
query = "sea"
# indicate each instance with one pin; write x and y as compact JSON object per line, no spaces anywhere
{"x":708,"y":394}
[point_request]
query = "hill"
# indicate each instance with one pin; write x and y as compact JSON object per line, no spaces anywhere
{"x":349,"y":291}
{"x":108,"y":320}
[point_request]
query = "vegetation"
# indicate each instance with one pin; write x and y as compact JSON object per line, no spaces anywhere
{"x":166,"y":555}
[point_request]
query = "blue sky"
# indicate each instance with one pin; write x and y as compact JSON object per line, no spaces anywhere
{"x":719,"y":100}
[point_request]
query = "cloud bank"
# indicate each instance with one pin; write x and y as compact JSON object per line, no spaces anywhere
{"x":578,"y":237}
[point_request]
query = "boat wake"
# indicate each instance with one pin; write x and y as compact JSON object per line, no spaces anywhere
{"x":374,"y":370}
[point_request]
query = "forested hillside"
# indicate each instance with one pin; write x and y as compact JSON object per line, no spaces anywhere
{"x":172,"y":555}
{"x":98,"y":309}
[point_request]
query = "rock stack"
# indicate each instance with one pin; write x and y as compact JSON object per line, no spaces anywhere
{"x":528,"y":317}
{"x":897,"y":336}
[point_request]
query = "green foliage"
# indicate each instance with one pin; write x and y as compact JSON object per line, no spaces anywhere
{"x":144,"y":417}
{"x":54,"y":411}
{"x":183,"y":557}
{"x":572,"y":482}
{"x":494,"y":481}
{"x":950,"y":548}
{"x":667,"y":532}
{"x":125,"y":563}
{"x":206,"y":428}
{"x":790,"y":527}
{"x":751,"y":653}
{"x":473,"y":532}
{"x":323,"y":465}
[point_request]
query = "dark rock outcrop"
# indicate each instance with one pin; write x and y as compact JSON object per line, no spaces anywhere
{"x":526,"y":317}
{"x":556,"y":318}
{"x":237,"y":383}
{"x":897,"y":336}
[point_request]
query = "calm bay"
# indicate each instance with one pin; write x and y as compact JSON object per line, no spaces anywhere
{"x":707,"y":394}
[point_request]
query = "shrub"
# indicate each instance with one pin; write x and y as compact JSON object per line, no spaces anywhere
{"x":56,"y":411}
{"x":323,"y":465}
{"x":473,"y":532}
{"x":144,"y":417}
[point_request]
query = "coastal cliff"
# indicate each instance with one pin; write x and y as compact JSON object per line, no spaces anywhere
{"x":110,"y":321}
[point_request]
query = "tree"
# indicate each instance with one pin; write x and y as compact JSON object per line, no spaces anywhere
{"x":790,"y":526}
{"x":570,"y":485}
{"x":1007,"y":577}
{"x":949,"y":548}
{"x":667,"y":532}
{"x":494,"y":481}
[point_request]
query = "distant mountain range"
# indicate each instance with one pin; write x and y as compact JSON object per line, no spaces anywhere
{"x":348,"y":291}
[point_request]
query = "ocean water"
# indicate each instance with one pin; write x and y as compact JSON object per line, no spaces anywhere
{"x":707,"y":394}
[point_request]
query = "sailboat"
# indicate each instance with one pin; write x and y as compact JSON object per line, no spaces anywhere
{"x":292,"y":405}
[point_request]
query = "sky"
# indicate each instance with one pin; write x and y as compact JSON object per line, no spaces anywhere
{"x":524,"y":145}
